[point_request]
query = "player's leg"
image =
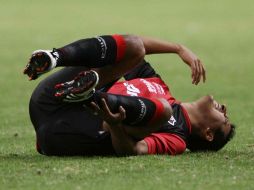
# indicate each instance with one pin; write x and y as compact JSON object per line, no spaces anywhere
{"x":93,"y":53}
{"x":63,"y":128}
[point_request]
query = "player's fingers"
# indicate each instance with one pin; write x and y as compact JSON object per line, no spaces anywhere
{"x":105,"y":107}
{"x":118,"y":117}
{"x":193,"y":72}
{"x":122,"y":113}
{"x":95,"y":108}
{"x":199,"y":72}
{"x":204,"y":73}
{"x":202,"y":70}
{"x":196,"y":75}
{"x":110,"y":117}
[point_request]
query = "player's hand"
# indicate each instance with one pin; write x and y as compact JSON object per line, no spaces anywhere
{"x":104,"y":112}
{"x":196,"y":65}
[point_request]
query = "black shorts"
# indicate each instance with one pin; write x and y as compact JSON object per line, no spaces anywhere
{"x":65,"y":128}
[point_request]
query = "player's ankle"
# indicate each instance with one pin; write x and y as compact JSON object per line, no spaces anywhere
{"x":55,"y":57}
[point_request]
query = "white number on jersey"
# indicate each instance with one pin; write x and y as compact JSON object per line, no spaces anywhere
{"x":131,"y":89}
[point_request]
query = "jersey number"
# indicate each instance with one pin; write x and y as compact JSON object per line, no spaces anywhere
{"x":131,"y":89}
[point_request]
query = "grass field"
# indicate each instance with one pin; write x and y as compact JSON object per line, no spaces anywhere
{"x":219,"y":31}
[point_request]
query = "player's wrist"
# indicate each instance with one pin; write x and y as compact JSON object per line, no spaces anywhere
{"x":113,"y":126}
{"x":179,"y":48}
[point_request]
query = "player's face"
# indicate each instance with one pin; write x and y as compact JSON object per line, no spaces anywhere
{"x":215,"y":114}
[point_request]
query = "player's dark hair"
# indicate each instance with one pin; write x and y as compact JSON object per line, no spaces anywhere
{"x":197,"y":144}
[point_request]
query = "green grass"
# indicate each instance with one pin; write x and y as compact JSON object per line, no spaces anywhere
{"x":219,"y":31}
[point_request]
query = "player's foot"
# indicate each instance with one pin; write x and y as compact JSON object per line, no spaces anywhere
{"x":41,"y":61}
{"x":79,"y":89}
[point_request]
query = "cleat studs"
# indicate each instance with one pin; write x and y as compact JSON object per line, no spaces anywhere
{"x":58,"y":86}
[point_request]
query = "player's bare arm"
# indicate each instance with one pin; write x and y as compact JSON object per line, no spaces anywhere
{"x":153,"y":46}
{"x":122,"y":142}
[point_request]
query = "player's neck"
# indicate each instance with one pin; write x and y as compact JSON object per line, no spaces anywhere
{"x":193,"y":113}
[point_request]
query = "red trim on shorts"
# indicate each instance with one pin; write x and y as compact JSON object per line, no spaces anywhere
{"x":121,"y":46}
{"x":159,"y":110}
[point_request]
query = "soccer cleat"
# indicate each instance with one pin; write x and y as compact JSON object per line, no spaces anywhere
{"x":79,"y":89}
{"x":41,"y":61}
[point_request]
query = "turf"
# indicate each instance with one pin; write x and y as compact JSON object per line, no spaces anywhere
{"x":220,"y":32}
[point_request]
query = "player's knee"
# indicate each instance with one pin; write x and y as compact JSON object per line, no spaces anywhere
{"x":134,"y":47}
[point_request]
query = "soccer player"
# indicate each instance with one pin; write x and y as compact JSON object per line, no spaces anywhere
{"x":136,"y":116}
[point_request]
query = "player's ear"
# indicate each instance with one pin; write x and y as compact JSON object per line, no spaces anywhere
{"x":209,"y":134}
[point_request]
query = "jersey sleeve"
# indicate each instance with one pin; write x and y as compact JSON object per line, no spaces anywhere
{"x":143,"y":70}
{"x":165,"y":143}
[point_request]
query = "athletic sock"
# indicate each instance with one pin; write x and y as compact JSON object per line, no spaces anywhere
{"x":139,"y":111}
{"x":92,"y":52}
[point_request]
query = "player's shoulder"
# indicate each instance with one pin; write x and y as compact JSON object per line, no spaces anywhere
{"x":156,"y":79}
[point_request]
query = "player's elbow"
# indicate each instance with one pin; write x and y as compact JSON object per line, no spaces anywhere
{"x":141,"y":148}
